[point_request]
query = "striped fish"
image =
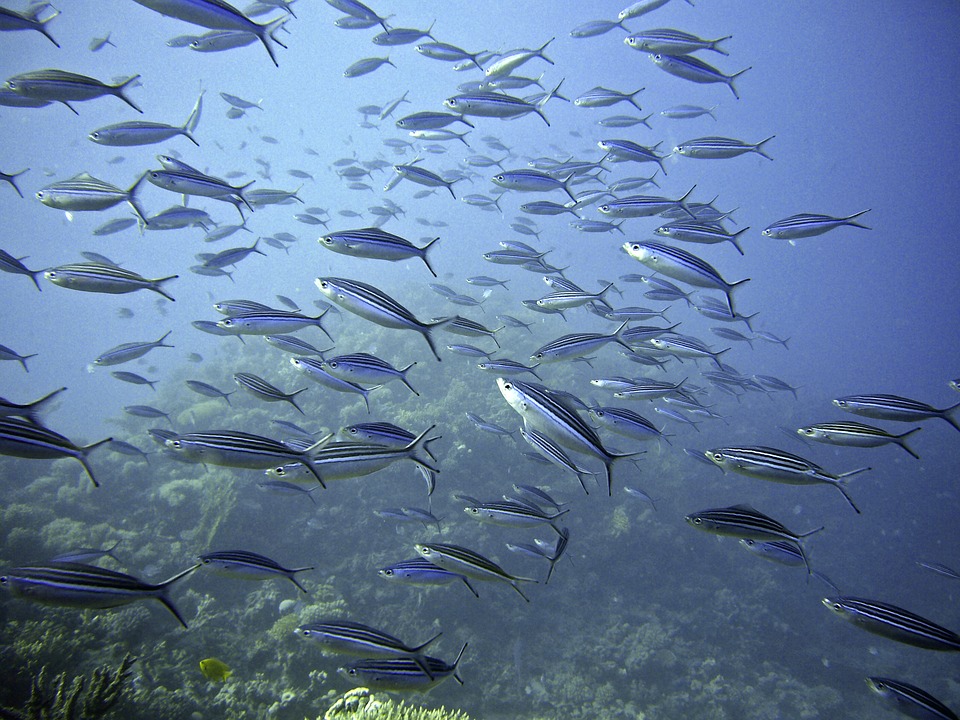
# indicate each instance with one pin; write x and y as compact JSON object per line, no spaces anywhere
{"x":369,"y":369}
{"x":208,"y":390}
{"x":629,"y":150}
{"x":241,"y":450}
{"x":376,"y":244}
{"x":698,"y":232}
{"x":672,"y":42}
{"x":805,"y":225}
{"x":249,"y":566}
{"x":24,"y":439}
{"x":513,"y":514}
{"x":130,"y":351}
{"x":100,"y":278}
{"x":343,"y":460}
{"x":459,"y":559}
{"x":546,"y":411}
{"x":894,"y":407}
{"x":86,"y":586}
{"x":470,"y":328}
{"x":84,"y":192}
{"x":219,"y":15}
{"x":577,"y":345}
{"x":271,"y":322}
{"x":402,"y":674}
{"x":66,"y":87}
{"x":13,"y":265}
{"x":604,"y":97}
{"x":376,"y":306}
{"x":197,"y":183}
{"x":720,"y":148}
{"x":420,"y":571}
{"x":260,"y":388}
{"x":854,"y":434}
{"x":695,"y":70}
{"x":564,"y":300}
{"x":352,"y":638}
{"x":681,"y":265}
{"x":910,"y":699}
{"x":893,"y":622}
{"x":627,"y":423}
{"x":637,"y":206}
{"x":492,"y":104}
{"x":294,"y":345}
{"x":316,"y":370}
{"x":780,"y":466}
{"x":239,"y":307}
{"x":742,"y":521}
{"x":505,"y":366}
{"x":554,"y":454}
{"x":422,"y":176}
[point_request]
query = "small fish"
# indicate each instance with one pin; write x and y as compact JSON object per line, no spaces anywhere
{"x":260,"y":388}
{"x":215,"y":670}
{"x":100,"y":278}
{"x":895,"y":407}
{"x":910,"y":699}
{"x":377,"y":244}
{"x":133,"y":378}
{"x":808,"y":225}
{"x":720,"y":148}
{"x":249,"y":566}
{"x":86,"y":586}
{"x":402,"y":674}
{"x":469,"y":563}
{"x":130,"y":351}
{"x":208,"y":390}
{"x":83,"y":192}
{"x":66,"y":87}
{"x":854,"y":434}
{"x":87,"y":555}
{"x":695,"y":70}
{"x":893,"y":622}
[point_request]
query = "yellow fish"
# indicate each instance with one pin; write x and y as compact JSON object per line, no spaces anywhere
{"x":215,"y":670}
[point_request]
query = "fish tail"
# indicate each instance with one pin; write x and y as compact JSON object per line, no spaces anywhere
{"x":715,"y":45}
{"x":132,"y":200}
{"x":730,"y":289}
{"x":733,"y":239}
{"x":82,"y":457}
{"x":266,"y":35}
{"x":948,"y":415}
{"x":23,"y":360}
{"x":419,"y":648}
{"x":42,"y":24}
{"x":633,"y":101}
{"x":756,"y":148}
{"x":118,"y":91}
{"x":37,"y":406}
{"x":159,"y":343}
{"x":418,"y":447}
{"x":191,"y":124}
{"x":901,"y":440}
{"x":810,"y":532}
{"x":733,"y":77}
{"x":155,"y":286}
{"x":294,"y":402}
{"x":403,"y":377}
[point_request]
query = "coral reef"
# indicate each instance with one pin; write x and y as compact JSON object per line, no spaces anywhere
{"x":361,"y":704}
{"x":81,"y":698}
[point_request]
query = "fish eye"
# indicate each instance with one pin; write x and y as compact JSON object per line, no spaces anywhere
{"x":717,"y":456}
{"x":499,"y":178}
{"x":4,"y":580}
{"x":658,"y":57}
{"x":837,"y":606}
{"x":40,"y":195}
{"x":333,"y":364}
{"x":539,"y":356}
{"x":507,"y":386}
{"x":175,"y":444}
{"x":697,"y":521}
{"x":598,"y":413}
{"x":154,"y":175}
{"x":387,"y":573}
{"x":95,"y":135}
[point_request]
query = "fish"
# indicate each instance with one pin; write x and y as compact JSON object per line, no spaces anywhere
{"x":493,"y":104}
{"x":854,"y":434}
{"x":376,"y":306}
{"x":508,"y":62}
{"x":87,"y":586}
{"x":645,"y":205}
{"x":466,"y":562}
{"x":672,"y":42}
{"x":368,"y":369}
{"x":345,"y":637}
{"x":577,"y":345}
{"x":627,"y":423}
{"x":133,"y":378}
{"x":780,"y":466}
{"x":546,"y":411}
{"x":9,"y":354}
{"x":624,"y":150}
{"x":742,"y":521}
{"x":294,"y":345}
{"x":720,"y":148}
{"x":25,"y":439}
{"x":377,"y":244}
{"x":240,"y":449}
{"x":695,"y":70}
{"x":316,"y":370}
{"x":87,"y":555}
{"x":83,"y":193}
{"x":11,"y":20}
{"x":939,"y":569}
{"x":420,"y":571}
{"x":260,"y":388}
{"x":270,"y":322}
{"x":402,"y":674}
{"x":604,"y":97}
{"x":220,"y":40}
{"x":215,"y":670}
{"x":366,"y":66}
{"x":422,"y":176}
{"x":512,"y":514}
{"x":135,"y":133}
{"x":805,"y":225}
{"x":356,"y":9}
{"x":910,"y":699}
{"x":30,"y":411}
{"x":430,"y":121}
{"x":895,"y":407}
{"x":683,"y":266}
{"x":249,"y":566}
{"x":219,"y":15}
{"x":893,"y":622}
{"x":66,"y":87}
{"x":130,"y":351}
{"x":100,"y":278}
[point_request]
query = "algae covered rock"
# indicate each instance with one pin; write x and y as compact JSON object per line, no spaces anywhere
{"x":361,"y":704}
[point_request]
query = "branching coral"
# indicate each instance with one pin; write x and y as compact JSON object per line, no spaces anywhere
{"x":77,"y":699}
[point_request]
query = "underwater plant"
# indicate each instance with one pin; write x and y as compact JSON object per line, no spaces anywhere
{"x":361,"y":703}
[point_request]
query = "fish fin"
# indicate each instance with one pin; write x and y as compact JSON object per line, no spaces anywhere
{"x":118,"y":91}
{"x":733,"y":77}
{"x":756,"y":148}
{"x":901,"y":440}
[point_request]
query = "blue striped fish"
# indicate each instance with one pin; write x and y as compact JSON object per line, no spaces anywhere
{"x":854,"y":434}
{"x":100,"y":278}
{"x":376,"y":306}
{"x":695,"y":70}
{"x":66,"y":87}
{"x":377,"y":244}
{"x":805,"y":225}
{"x":910,"y":699}
{"x":461,"y":560}
{"x":893,"y":622}
{"x":895,"y":407}
{"x":420,"y":571}
{"x":719,"y":148}
{"x":79,"y":585}
{"x":257,"y":386}
{"x":249,"y":566}
{"x":402,"y":674}
{"x":24,"y":439}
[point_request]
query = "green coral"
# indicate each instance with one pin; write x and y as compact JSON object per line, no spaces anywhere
{"x":80,"y":698}
{"x":620,"y":522}
{"x":361,"y":703}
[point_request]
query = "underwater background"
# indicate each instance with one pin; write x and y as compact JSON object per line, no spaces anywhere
{"x":643,"y":616}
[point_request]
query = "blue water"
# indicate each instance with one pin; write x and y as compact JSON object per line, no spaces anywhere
{"x":652,"y":617}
